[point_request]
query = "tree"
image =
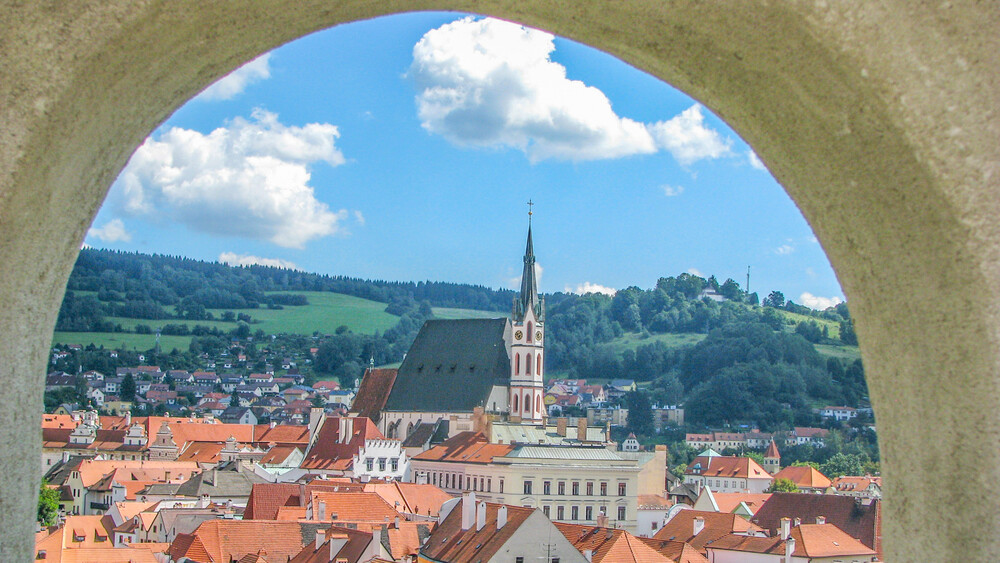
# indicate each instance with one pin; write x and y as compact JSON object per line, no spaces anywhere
{"x":775,"y":299}
{"x":128,"y":388}
{"x":782,"y":485}
{"x":847,"y":335}
{"x":640,"y":413}
{"x":845,"y":464}
{"x":48,"y":505}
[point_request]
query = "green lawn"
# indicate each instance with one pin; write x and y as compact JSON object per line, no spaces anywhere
{"x":796,"y":318}
{"x":844,"y":353}
{"x":325,"y":312}
{"x":115,"y":340}
{"x":452,"y":313}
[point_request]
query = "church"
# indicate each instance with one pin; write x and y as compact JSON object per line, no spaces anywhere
{"x":460,"y":372}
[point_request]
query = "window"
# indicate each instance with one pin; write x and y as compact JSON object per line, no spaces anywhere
{"x":621,"y":489}
{"x":554,"y":560}
{"x":574,"y":513}
{"x":562,"y":487}
{"x":381,"y":464}
{"x":527,"y":487}
{"x":519,"y":560}
{"x":589,"y":512}
{"x":560,"y":513}
{"x":621,"y":512}
{"x":545,"y":510}
{"x":604,"y":489}
{"x":515,"y":403}
{"x":482,"y":481}
{"x":538,"y":368}
{"x":527,"y":364}
{"x":501,"y":485}
{"x":725,"y":483}
{"x":517,"y":368}
{"x":459,"y":481}
{"x":590,"y":488}
{"x":528,"y":336}
{"x":547,"y":488}
{"x":370,"y":464}
{"x":576,"y":488}
{"x":653,"y":524}
{"x":489,"y":485}
{"x":395,"y":465}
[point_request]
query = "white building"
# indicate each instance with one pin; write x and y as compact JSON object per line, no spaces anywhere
{"x":382,"y":459}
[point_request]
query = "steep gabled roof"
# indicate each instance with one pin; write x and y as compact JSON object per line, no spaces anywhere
{"x":413,"y":498}
{"x":726,"y":467}
{"x":452,"y":366}
{"x":373,"y":393}
{"x":450,"y":542}
{"x":266,"y":498}
{"x":674,"y":550}
{"x":220,"y":540}
{"x":334,"y":451}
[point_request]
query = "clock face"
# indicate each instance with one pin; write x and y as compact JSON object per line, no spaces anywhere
{"x":518,"y":335}
{"x":538,"y":335}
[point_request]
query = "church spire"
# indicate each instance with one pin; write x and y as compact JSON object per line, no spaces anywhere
{"x":529,"y":287}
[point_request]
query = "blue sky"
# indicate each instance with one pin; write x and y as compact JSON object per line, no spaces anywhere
{"x":406,"y":148}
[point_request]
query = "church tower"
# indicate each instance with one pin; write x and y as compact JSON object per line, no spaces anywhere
{"x":527,"y":347}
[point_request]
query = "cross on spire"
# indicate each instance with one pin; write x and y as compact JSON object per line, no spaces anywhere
{"x":530,"y":206}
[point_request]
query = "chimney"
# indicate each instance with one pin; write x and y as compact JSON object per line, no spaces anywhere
{"x":581,"y":429}
{"x":588,"y":554}
{"x":339,"y":539}
{"x":346,"y":429}
{"x":320,"y":538}
{"x":480,"y":515}
{"x":821,"y":520}
{"x":785,"y":528}
{"x":321,"y":511}
{"x":561,"y":426}
{"x":789,"y":548}
{"x":501,"y":516}
{"x":468,"y":510}
{"x":797,"y":522}
{"x":376,"y":539}
{"x":699,"y":525}
{"x":397,"y":522}
{"x":602,"y":520}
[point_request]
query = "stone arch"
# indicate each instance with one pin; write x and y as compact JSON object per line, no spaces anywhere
{"x":878,"y":119}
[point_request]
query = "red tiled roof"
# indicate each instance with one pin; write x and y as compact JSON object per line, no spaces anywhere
{"x":727,"y":466}
{"x":804,"y":477}
{"x":330,"y":451}
{"x":859,"y":519}
{"x":351,"y":507}
{"x":727,"y":502}
{"x":717,"y":524}
{"x":413,"y":498}
{"x":609,"y":544}
{"x":373,"y":392}
{"x":266,"y":498}
{"x":465,"y":447}
{"x":772,"y":450}
{"x":677,"y":551}
{"x":219,"y":541}
{"x":450,"y":543}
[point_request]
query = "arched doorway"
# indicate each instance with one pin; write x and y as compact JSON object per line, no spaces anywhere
{"x":879,"y":120}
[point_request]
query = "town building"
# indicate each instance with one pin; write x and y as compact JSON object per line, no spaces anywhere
{"x":727,"y":474}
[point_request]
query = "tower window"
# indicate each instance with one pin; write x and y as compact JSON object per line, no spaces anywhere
{"x":517,"y":364}
{"x":538,"y":369}
{"x":527,"y":364}
{"x":528,"y":336}
{"x":527,"y":403}
{"x":515,"y":403}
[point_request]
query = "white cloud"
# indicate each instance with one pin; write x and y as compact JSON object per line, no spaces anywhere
{"x":359,"y":217}
{"x":112,"y":231}
{"x":818,"y":303}
{"x":490,"y":83}
{"x":755,"y":161}
{"x":672,"y":191}
{"x":687,"y":138}
{"x":235,"y":82}
{"x":248,"y":179}
{"x":695,"y":272}
{"x":234,"y":259}
{"x":587,"y":287}
{"x":784,"y":249}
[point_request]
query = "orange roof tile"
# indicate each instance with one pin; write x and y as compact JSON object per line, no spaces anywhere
{"x":728,"y":502}
{"x":465,"y":447}
{"x":331,"y":451}
{"x":219,"y":541}
{"x":609,"y":544}
{"x":413,"y":498}
{"x":450,"y":543}
{"x":727,"y":466}
{"x":804,"y":476}
{"x":717,"y":524}
{"x":351,"y":507}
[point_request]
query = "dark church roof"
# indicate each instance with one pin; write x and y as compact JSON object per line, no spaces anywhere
{"x":373,"y":393}
{"x":452,"y":366}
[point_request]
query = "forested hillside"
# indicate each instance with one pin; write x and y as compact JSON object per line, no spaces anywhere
{"x":730,"y":361}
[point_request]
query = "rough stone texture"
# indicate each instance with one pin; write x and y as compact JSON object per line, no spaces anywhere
{"x":879,"y":118}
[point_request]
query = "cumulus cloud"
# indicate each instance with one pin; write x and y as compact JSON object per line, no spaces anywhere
{"x":248,"y":179}
{"x":687,"y":138}
{"x":488,"y":83}
{"x":672,"y":191}
{"x":695,"y":272}
{"x":234,"y":259}
{"x":235,"y":82}
{"x":587,"y":287}
{"x":112,"y":231}
{"x":784,"y":249}
{"x":819,"y":303}
{"x":755,"y":161}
